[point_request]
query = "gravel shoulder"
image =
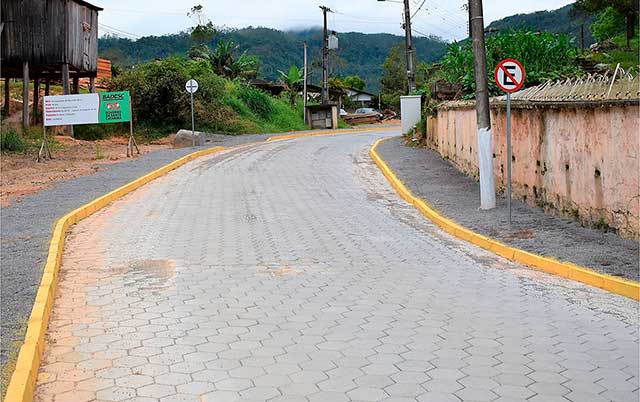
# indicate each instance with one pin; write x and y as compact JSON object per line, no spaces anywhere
{"x":457,"y":196}
{"x":27,"y":223}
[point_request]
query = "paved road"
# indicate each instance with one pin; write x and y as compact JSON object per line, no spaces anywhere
{"x":290,"y":271}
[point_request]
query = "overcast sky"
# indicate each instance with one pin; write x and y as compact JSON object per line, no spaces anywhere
{"x":444,"y":18}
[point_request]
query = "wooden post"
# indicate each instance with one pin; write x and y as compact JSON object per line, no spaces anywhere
{"x":7,"y":96}
{"x":92,"y":85}
{"x":36,"y":99}
{"x":25,"y":95}
{"x":76,"y":85}
{"x":65,"y":79}
{"x":46,"y":88}
{"x":67,"y":89}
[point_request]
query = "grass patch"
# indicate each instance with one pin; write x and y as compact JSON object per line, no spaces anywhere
{"x":628,"y":58}
{"x":11,"y":141}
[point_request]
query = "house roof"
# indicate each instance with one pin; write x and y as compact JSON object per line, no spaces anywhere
{"x":358,"y":91}
{"x":86,"y":4}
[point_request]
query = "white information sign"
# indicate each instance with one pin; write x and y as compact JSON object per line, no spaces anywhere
{"x":191,"y":86}
{"x":62,"y":110}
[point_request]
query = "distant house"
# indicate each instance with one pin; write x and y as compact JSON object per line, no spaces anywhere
{"x":48,"y":40}
{"x":356,"y":95}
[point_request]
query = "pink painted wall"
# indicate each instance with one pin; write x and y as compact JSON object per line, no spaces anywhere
{"x":580,"y":162}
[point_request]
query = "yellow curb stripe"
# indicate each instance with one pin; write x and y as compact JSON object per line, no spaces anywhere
{"x":567,"y":270}
{"x":23,"y":380}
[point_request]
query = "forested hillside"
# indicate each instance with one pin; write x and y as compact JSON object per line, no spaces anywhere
{"x":359,"y":54}
{"x":557,"y":21}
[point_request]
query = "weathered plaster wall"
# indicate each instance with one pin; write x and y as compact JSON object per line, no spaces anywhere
{"x":581,"y":162}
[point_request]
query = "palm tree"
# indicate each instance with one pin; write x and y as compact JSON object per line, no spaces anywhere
{"x":223,"y":60}
{"x":292,"y":82}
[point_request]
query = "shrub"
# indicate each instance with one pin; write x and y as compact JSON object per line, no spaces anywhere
{"x":161,"y":104}
{"x":11,"y":141}
{"x":545,"y":56}
{"x":256,"y":100}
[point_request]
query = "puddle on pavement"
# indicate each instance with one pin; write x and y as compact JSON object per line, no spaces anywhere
{"x":150,"y":274}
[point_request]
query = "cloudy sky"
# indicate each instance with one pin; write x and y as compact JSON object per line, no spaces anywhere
{"x":445,"y":18}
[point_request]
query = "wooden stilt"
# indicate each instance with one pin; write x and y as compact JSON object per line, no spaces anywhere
{"x":7,"y":96}
{"x":25,"y":95}
{"x":76,"y":85}
{"x":92,"y":85}
{"x":46,"y":88}
{"x":67,"y":89}
{"x":36,"y":100}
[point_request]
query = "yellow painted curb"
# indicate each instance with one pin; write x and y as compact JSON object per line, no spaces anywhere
{"x":568,"y":270}
{"x":23,"y":380}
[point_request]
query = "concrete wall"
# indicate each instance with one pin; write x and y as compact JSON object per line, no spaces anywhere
{"x":576,"y":161}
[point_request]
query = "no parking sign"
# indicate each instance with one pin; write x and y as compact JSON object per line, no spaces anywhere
{"x":509,"y":76}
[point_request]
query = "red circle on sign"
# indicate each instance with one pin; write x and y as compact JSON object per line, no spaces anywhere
{"x":500,"y":67}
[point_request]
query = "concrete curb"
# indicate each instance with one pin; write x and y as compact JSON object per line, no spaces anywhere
{"x":22,"y":385}
{"x":23,"y":380}
{"x":568,"y":270}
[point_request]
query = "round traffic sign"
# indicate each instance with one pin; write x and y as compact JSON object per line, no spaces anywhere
{"x":191,"y":86}
{"x":509,"y":75}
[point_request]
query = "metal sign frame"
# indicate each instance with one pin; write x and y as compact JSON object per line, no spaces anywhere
{"x":518,"y":85}
{"x":192,"y":86}
{"x":501,"y":67}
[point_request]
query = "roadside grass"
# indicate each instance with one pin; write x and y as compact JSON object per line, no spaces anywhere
{"x":628,"y":58}
{"x":16,"y":140}
{"x":12,"y":358}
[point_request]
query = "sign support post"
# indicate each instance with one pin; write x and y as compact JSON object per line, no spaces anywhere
{"x":193,"y":124}
{"x":509,"y":76}
{"x":45,"y":152}
{"x":132,"y":141}
{"x":192,"y":86}
{"x":509,"y":154}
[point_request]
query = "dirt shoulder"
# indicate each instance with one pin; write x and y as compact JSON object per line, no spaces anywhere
{"x":457,"y":196}
{"x":21,"y":175}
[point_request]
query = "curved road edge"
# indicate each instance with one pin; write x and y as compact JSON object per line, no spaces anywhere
{"x":567,"y":270}
{"x":23,"y":379}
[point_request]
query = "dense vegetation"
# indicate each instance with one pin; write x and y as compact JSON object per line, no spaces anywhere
{"x":359,"y":54}
{"x":547,"y":56}
{"x":161,"y":105}
{"x":562,"y":21}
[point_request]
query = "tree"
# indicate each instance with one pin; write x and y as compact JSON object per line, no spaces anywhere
{"x":204,"y":30}
{"x":609,"y":24}
{"x":355,"y":82}
{"x":292,"y":82}
{"x":224,"y":61}
{"x":394,"y":77}
{"x":628,"y":8}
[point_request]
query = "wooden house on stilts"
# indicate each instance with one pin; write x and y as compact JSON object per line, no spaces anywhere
{"x":47,"y":40}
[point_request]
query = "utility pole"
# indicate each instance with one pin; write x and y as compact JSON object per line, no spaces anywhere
{"x":483,"y":113}
{"x":325,"y":57}
{"x":411,"y":72}
{"x":304,"y":82}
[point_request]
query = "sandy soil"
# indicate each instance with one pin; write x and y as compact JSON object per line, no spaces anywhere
{"x":21,"y":175}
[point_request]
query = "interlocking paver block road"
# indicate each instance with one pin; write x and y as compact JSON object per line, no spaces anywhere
{"x":291,"y":271}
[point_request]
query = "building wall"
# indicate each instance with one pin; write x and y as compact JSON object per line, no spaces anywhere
{"x":579,"y":162}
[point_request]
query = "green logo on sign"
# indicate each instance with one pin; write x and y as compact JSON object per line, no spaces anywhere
{"x":115,"y":107}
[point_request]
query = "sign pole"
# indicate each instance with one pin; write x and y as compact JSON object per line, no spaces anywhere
{"x":132,"y":140}
{"x":509,"y":154}
{"x":509,"y":76}
{"x":193,"y":124}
